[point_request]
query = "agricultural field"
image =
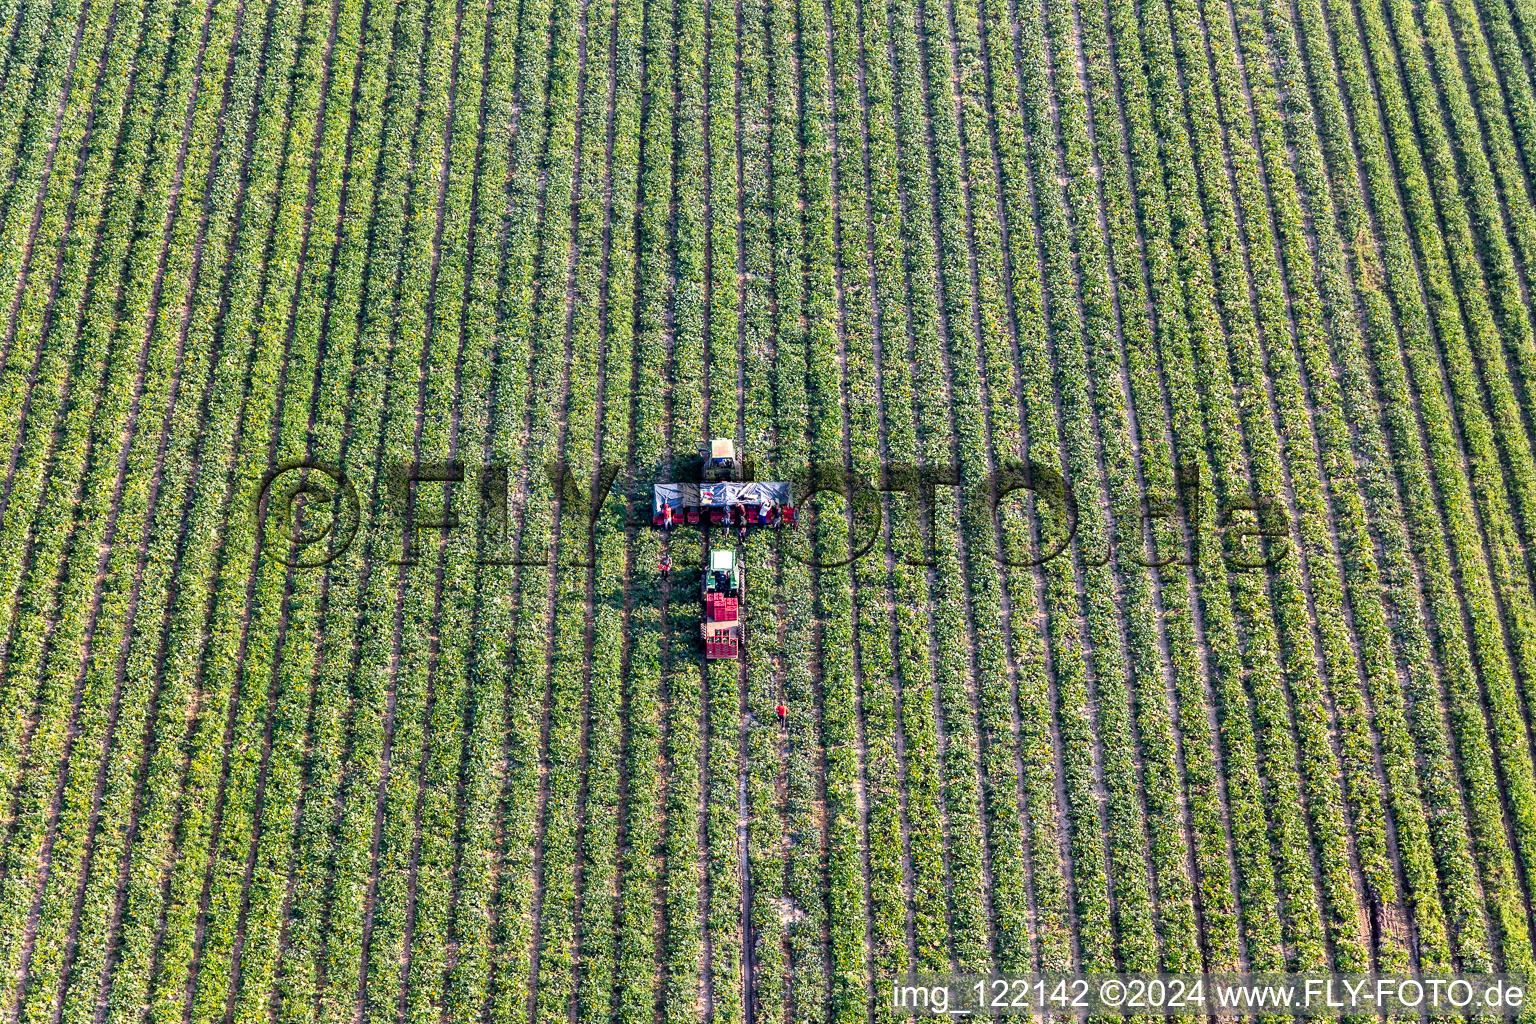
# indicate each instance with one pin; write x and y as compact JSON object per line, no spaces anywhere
{"x":1157,"y":381}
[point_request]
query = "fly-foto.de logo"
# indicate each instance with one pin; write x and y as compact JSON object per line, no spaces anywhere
{"x":311,"y":512}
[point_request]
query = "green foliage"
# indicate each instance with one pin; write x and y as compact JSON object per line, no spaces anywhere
{"x":1189,"y":254}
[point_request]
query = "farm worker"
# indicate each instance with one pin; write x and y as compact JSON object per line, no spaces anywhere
{"x":781,"y":711}
{"x":667,"y":519}
{"x":775,"y":516}
{"x":665,"y":564}
{"x":765,"y":511}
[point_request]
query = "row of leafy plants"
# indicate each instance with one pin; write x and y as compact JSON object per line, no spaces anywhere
{"x":925,"y":940}
{"x":268,"y":658}
{"x":418,"y":836}
{"x":832,"y":588}
{"x":764,"y":951}
{"x":955,"y":735}
{"x":1502,"y":97}
{"x":1069,"y":314}
{"x":985,"y":414}
{"x":53,"y":343}
{"x":45,"y":179}
{"x":876,"y":723}
{"x":1310,"y":567}
{"x":1275,"y":655}
{"x":170,"y":419}
{"x":808,"y":957}
{"x":189,"y":543}
{"x":722,"y":712}
{"x":57,"y":53}
{"x":575,"y":177}
{"x":1409,"y":719}
{"x":1475,"y":231}
{"x":684,"y":855}
{"x":1240,"y":866}
{"x":638,"y":985}
{"x":614,"y":580}
{"x":1480,"y":579}
{"x":1333,"y":492}
{"x":515,"y":662}
{"x":339,"y":430}
{"x":1413,"y":471}
{"x":116,"y":453}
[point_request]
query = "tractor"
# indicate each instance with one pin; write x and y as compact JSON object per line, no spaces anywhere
{"x":722,"y":463}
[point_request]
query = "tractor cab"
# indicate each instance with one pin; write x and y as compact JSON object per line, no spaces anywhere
{"x":722,"y":593}
{"x":722,"y":463}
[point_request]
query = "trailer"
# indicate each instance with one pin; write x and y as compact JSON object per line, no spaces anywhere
{"x":722,"y":592}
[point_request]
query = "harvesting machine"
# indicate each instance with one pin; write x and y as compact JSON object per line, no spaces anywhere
{"x":723,"y":498}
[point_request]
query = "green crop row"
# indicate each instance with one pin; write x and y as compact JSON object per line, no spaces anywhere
{"x":157,"y":918}
{"x":764,"y":952}
{"x":210,"y":803}
{"x":128,"y":616}
{"x":1172,"y":251}
{"x":613,"y":580}
{"x":46,"y":178}
{"x":955,"y":735}
{"x":637,"y":982}
{"x":432,"y":778}
{"x":1350,"y":402}
{"x":1474,"y":228}
{"x":924,"y":897}
{"x":721,"y":724}
{"x":875,"y":710}
{"x":575,"y":184}
{"x":45,"y":388}
{"x":517,"y":648}
{"x":684,"y":860}
{"x":342,"y":408}
{"x":825,"y":346}
{"x":1305,"y":581}
{"x":1489,"y":45}
{"x":984,"y":369}
{"x":808,"y":965}
{"x":1425,"y":394}
{"x":485,"y":769}
{"x":46,"y":81}
{"x":268,"y":727}
{"x":1136,"y":457}
{"x":1335,"y":490}
{"x":42,"y":521}
{"x":123,"y":472}
{"x":1068,"y":315}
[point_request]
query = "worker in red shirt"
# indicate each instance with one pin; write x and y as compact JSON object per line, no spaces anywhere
{"x":668,"y":520}
{"x":781,"y":711}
